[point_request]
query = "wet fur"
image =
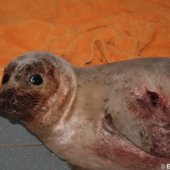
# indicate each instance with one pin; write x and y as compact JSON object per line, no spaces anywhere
{"x":97,"y":118}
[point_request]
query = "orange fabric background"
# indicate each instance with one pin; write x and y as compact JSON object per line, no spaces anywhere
{"x":85,"y":32}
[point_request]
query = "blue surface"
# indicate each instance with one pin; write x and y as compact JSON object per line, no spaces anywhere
{"x":20,"y":150}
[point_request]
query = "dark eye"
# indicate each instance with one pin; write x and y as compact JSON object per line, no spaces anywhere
{"x":5,"y":78}
{"x":36,"y":79}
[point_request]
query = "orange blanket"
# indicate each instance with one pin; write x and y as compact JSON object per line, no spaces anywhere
{"x":85,"y":32}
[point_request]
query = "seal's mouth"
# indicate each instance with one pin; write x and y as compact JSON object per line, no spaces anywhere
{"x":18,"y":107}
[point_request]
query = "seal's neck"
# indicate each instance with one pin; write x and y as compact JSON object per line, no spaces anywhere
{"x":58,"y":106}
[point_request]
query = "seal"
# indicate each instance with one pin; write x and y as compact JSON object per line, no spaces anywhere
{"x":114,"y":116}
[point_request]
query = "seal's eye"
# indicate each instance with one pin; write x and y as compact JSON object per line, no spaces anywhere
{"x":36,"y":79}
{"x":5,"y":78}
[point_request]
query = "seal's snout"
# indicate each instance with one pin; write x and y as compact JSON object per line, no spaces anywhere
{"x":17,"y":105}
{"x":7,"y":99}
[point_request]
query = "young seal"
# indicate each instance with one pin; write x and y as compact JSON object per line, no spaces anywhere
{"x":109,"y":117}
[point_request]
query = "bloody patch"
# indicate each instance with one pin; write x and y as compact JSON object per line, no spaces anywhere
{"x":154,"y":110}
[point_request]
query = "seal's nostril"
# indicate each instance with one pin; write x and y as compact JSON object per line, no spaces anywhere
{"x":5,"y":78}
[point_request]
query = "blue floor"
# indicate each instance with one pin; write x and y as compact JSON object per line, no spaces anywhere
{"x":19,"y":150}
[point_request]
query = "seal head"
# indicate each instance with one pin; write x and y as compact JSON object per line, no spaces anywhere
{"x":37,"y":88}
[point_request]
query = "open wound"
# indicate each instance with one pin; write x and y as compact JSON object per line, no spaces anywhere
{"x":153,"y":109}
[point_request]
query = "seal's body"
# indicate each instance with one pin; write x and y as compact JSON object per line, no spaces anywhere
{"x":109,"y":117}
